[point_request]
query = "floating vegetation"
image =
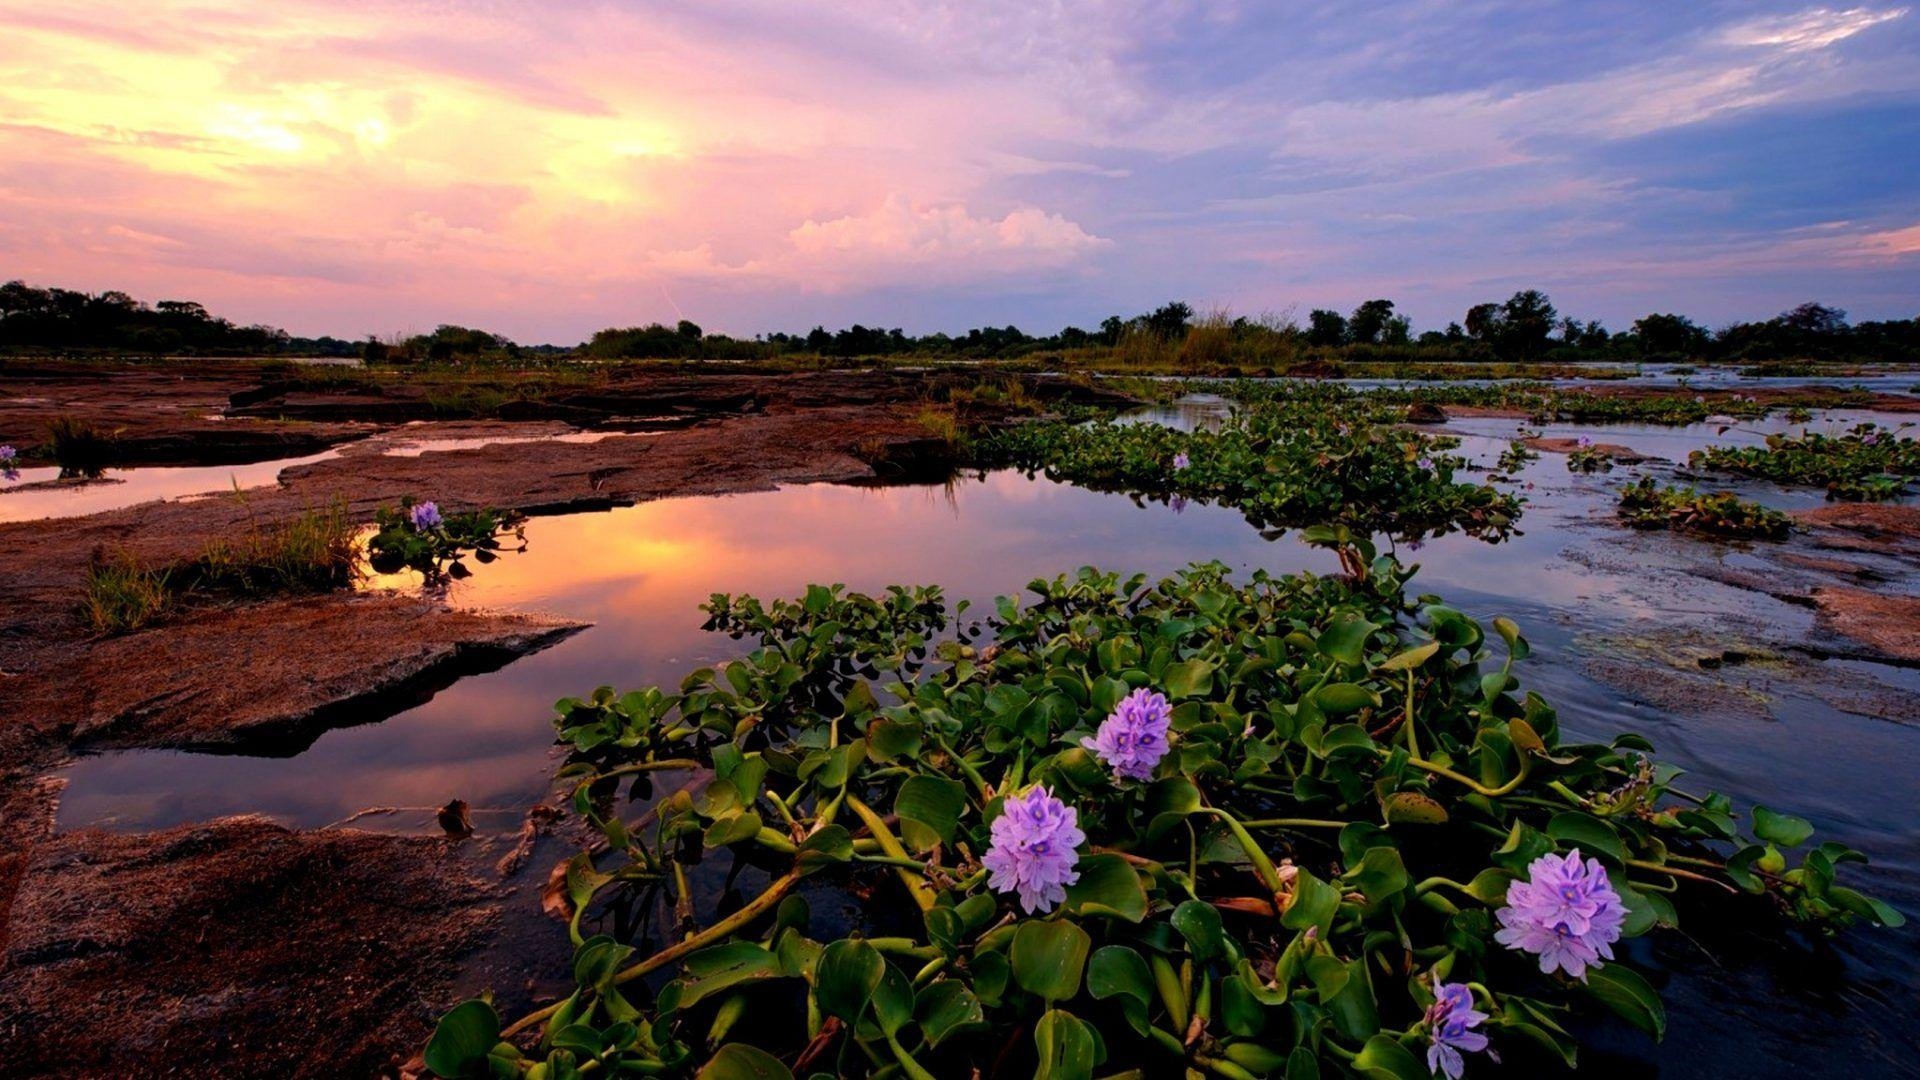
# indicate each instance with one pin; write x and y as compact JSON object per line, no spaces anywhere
{"x":1586,"y":458}
{"x":1357,"y":847}
{"x":1866,"y":463}
{"x":1648,"y":505}
{"x":1282,"y":465}
{"x":416,"y":536}
{"x":1518,"y":455}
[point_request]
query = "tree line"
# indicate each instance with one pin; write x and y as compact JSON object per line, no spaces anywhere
{"x":1524,"y":327}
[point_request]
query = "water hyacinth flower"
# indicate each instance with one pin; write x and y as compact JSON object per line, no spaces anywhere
{"x":1566,"y":913}
{"x":1034,"y":850}
{"x":1180,"y":460}
{"x":1178,"y":503}
{"x":1450,"y":1022}
{"x":7,"y":454}
{"x":1425,"y":463}
{"x":1134,"y":738}
{"x":424,"y":517}
{"x":1585,"y":442}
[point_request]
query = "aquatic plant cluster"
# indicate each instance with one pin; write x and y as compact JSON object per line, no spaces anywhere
{"x":1868,"y":462}
{"x":1281,"y":464}
{"x":1541,"y":402}
{"x":1294,"y":826}
{"x":1650,"y":505}
{"x":416,"y":535}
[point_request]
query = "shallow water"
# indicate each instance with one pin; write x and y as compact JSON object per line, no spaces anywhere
{"x":119,"y":488}
{"x":1748,"y":1005}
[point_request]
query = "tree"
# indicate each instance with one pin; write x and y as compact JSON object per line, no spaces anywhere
{"x":1526,"y":322}
{"x":1369,"y":321}
{"x":1813,"y":318}
{"x":1483,"y":322}
{"x":1328,"y":328}
{"x":688,"y":329}
{"x":1169,"y":321}
{"x":1659,"y":333}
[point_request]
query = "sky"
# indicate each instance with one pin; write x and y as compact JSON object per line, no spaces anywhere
{"x":543,"y":169}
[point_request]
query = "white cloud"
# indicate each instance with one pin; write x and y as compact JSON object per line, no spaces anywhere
{"x":1813,"y":29}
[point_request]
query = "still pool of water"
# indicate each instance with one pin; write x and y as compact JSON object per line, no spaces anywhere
{"x":1743,"y":1003}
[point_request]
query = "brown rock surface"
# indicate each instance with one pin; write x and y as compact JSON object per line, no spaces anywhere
{"x":235,"y":948}
{"x":1887,"y":624}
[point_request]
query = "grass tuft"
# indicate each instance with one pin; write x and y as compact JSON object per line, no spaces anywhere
{"x":122,"y":594}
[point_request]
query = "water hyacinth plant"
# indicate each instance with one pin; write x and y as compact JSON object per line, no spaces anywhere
{"x":1868,"y":462}
{"x":1282,"y":465}
{"x":416,"y":535}
{"x":9,"y":459}
{"x":1366,"y":850}
{"x":1649,"y":505}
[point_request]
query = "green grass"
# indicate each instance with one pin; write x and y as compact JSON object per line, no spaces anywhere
{"x":312,"y":553}
{"x":124,"y":595}
{"x":80,"y":446}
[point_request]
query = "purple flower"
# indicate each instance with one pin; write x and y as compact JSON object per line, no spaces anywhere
{"x":1033,"y":851}
{"x":1180,"y":460}
{"x":1586,"y":441}
{"x":1178,"y":503}
{"x":7,"y":454}
{"x":1425,"y":463}
{"x":1566,"y":913}
{"x":1450,"y":1020}
{"x":1134,"y":738}
{"x":424,"y":516}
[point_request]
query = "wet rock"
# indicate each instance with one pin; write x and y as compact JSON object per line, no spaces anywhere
{"x":236,"y":948}
{"x":1888,"y":527}
{"x":1621,"y":454}
{"x":307,"y":665}
{"x":1425,"y":412}
{"x":1887,"y":625}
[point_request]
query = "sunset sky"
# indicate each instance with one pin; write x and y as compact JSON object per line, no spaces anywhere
{"x":543,"y":169}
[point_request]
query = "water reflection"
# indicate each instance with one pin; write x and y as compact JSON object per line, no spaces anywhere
{"x":640,"y":573}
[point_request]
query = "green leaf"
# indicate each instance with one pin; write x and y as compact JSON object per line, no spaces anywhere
{"x":1411,"y":658}
{"x":1589,"y":834}
{"x":738,"y":1061}
{"x":1048,"y":958}
{"x":1199,"y":922}
{"x":1621,"y":989}
{"x":1384,"y":1059}
{"x":462,"y":1040}
{"x":1339,"y":699}
{"x":1189,"y":678}
{"x":947,"y":1008}
{"x":1118,"y":970}
{"x":1780,"y":828}
{"x":721,"y":967}
{"x":929,"y":809}
{"x":830,"y":846}
{"x":844,"y":979}
{"x":1067,"y":1046}
{"x":1346,"y":640}
{"x":1314,"y":903}
{"x":1108,"y":885}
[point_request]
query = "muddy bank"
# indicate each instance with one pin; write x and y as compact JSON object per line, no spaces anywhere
{"x":236,"y":948}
